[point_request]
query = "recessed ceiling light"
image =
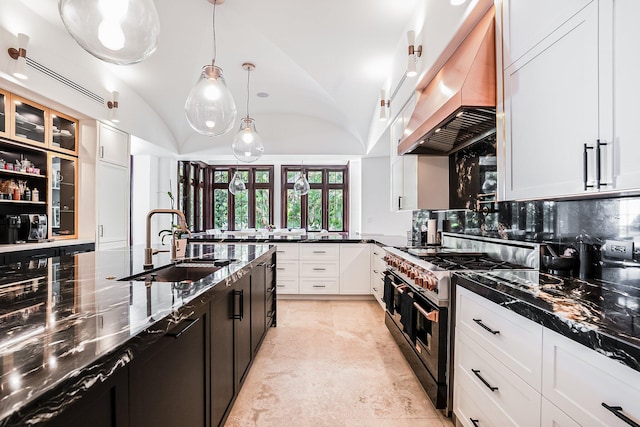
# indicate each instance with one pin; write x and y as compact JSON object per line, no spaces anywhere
{"x":262,"y":94}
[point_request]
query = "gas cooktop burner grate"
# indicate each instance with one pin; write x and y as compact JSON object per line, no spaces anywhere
{"x":471,"y":263}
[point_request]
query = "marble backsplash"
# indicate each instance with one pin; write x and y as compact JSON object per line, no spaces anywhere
{"x":554,"y":222}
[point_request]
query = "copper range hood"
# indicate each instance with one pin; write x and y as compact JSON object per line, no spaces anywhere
{"x":458,"y":106}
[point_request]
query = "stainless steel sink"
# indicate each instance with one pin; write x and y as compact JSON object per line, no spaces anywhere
{"x":187,"y":271}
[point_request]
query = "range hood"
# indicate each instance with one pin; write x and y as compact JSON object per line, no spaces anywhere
{"x":458,"y":106}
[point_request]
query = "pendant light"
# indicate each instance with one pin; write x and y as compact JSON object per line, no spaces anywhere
{"x":117,"y":31}
{"x":247,"y":144}
{"x":236,"y":185}
{"x":210,"y":107}
{"x":301,"y":185}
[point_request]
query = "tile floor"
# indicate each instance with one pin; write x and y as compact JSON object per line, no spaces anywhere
{"x":332,"y":363}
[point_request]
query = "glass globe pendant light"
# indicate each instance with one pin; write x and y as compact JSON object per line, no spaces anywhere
{"x":118,"y":31}
{"x":247,"y":144}
{"x":236,"y":185}
{"x":210,"y":108}
{"x":301,"y":186}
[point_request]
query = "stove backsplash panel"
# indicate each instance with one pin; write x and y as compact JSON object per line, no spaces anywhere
{"x":555,"y":222}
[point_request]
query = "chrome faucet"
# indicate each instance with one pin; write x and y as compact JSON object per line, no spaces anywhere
{"x":148,"y":252}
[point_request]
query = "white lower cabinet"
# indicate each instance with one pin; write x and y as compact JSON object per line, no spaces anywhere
{"x":581,"y":382}
{"x":564,"y":384}
{"x":378,"y":266}
{"x":355,"y":267}
{"x":319,"y":268}
{"x":287,"y":268}
{"x":497,"y":364}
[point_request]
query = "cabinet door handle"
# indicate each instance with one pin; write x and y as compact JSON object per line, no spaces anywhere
{"x":189,"y":324}
{"x":585,"y":166}
{"x":475,"y":422}
{"x":102,"y":151}
{"x":617,"y":411}
{"x":485,"y":327}
{"x":399,"y":202}
{"x":489,"y":386}
{"x":101,"y":230}
{"x":599,"y":165}
{"x":240,"y":315}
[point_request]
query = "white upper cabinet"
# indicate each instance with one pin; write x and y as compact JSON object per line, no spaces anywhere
{"x":113,"y":145}
{"x":569,"y":90}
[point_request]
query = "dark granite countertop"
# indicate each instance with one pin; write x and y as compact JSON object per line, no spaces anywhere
{"x":66,"y":321}
{"x":379,"y":239}
{"x":603,"y":315}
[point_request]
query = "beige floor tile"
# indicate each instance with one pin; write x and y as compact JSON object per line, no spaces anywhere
{"x":332,"y":363}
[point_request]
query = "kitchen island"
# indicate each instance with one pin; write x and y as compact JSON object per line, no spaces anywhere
{"x":77,"y":340}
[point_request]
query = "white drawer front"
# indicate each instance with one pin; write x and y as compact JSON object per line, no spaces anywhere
{"x":519,"y":401}
{"x":287,"y":286}
{"x":320,"y":286}
{"x":287,"y":269}
{"x":319,"y":251}
{"x":578,"y":381}
{"x":511,"y":338}
{"x":287,"y":251}
{"x":319,"y":268}
{"x":471,"y":404}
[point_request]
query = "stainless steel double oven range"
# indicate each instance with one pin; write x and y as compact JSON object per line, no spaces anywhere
{"x":419,"y":300}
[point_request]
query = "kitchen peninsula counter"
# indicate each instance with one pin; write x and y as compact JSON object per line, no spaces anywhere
{"x":379,"y":239}
{"x":68,"y":323}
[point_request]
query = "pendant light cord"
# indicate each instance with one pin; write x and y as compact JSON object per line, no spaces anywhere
{"x":248,"y":74}
{"x":213,"y":24}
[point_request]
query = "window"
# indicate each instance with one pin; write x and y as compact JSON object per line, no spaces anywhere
{"x":326,"y":204}
{"x":248,"y":209}
{"x":191,"y":197}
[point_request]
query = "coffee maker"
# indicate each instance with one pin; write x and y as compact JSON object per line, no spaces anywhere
{"x":33,"y":227}
{"x":9,"y":228}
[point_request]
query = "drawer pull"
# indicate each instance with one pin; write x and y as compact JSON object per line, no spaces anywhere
{"x":485,"y":327}
{"x":189,"y":324}
{"x":281,"y":286}
{"x":280,"y":268}
{"x":319,"y":286}
{"x":617,"y":411}
{"x":319,"y":269}
{"x":476,"y":423}
{"x":489,"y":386}
{"x":319,"y":252}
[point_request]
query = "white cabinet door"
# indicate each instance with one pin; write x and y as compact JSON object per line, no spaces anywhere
{"x":581,"y":382}
{"x":355,"y":267}
{"x":552,"y":416}
{"x":531,"y":21}
{"x":113,"y":205}
{"x":113,"y":145}
{"x":396,"y":184}
{"x":551,"y":110}
{"x":626,"y":86}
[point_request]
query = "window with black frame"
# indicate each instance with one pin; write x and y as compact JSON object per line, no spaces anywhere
{"x":324,"y":207}
{"x":252,"y":208}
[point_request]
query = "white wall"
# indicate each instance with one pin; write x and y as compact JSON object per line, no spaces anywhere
{"x":377,"y":217}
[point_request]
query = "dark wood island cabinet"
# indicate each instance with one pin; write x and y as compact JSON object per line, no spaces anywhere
{"x":177,"y":355}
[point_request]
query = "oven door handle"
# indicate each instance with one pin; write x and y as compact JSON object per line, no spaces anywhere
{"x":431,"y":315}
{"x":399,"y":288}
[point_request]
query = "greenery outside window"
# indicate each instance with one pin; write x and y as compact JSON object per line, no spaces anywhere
{"x":248,"y":209}
{"x":326,"y":204}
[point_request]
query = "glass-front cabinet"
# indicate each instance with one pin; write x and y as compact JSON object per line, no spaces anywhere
{"x":28,"y":121}
{"x":63,"y":175}
{"x":64,"y":133}
{"x":4,"y":113}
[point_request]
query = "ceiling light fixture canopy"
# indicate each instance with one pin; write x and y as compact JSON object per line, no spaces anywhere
{"x":414,"y":54}
{"x":117,"y":31}
{"x":384,"y":104}
{"x":247,"y":144}
{"x":210,"y":108}
{"x":20,"y":55}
